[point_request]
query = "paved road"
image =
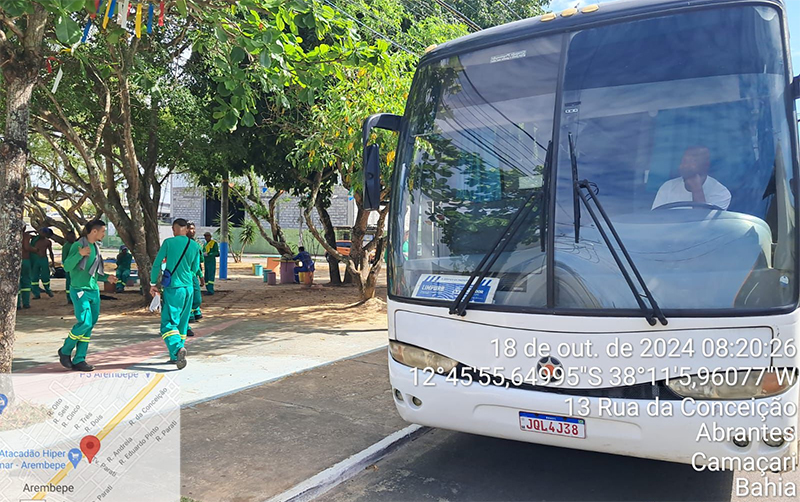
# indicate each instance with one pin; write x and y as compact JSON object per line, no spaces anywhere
{"x":450,"y":466}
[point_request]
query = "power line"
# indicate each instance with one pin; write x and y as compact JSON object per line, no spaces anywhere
{"x":510,"y":10}
{"x":394,"y":29}
{"x":370,"y":29}
{"x":430,"y":11}
{"x":455,"y":11}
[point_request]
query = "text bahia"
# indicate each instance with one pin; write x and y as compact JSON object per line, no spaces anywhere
{"x":765,"y":487}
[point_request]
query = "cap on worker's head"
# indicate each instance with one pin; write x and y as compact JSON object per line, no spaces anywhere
{"x":46,"y":230}
{"x":123,"y":248}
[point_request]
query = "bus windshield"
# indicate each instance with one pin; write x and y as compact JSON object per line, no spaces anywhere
{"x":680,"y":124}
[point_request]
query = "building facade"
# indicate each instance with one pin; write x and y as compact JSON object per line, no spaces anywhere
{"x":195,"y":204}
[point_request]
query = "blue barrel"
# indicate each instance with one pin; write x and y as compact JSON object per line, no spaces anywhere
{"x":259,"y":270}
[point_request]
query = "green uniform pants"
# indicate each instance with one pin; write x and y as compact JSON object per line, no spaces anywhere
{"x":24,"y":295}
{"x":40,"y":270}
{"x":86,"y":303}
{"x":123,"y":274}
{"x":175,"y":318}
{"x":197,"y":299}
{"x":69,"y":281}
{"x":210,"y":267}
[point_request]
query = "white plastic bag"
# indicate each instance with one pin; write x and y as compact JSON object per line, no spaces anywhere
{"x":155,"y":305}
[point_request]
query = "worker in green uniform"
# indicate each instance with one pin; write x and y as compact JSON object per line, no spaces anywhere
{"x":124,"y":260}
{"x":210,"y":253}
{"x":85,"y":265}
{"x":197,"y":282}
{"x":69,"y":240}
{"x":24,"y":294}
{"x":181,"y":262}
{"x":40,"y":267}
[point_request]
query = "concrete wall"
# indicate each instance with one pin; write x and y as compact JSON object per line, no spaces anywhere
{"x":260,"y":247}
{"x":188,"y":201}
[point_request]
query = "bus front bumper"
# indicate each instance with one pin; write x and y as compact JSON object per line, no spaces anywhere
{"x":637,"y":428}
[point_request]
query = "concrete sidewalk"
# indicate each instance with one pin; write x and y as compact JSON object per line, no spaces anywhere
{"x":258,"y":443}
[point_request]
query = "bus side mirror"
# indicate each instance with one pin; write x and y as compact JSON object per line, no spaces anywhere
{"x":796,"y":87}
{"x":372,"y":178}
{"x":372,"y":157}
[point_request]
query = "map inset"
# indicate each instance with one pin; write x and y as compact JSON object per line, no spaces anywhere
{"x":76,"y":437}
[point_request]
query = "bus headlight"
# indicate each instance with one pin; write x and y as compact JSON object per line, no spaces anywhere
{"x":420,"y":358}
{"x":732,"y":384}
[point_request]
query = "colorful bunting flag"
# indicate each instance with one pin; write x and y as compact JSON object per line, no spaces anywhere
{"x":139,"y":20}
{"x":150,"y":11}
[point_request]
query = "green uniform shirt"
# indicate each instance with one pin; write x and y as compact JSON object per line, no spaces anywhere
{"x":189,"y":267}
{"x":79,"y":278}
{"x":65,"y":251}
{"x":199,"y":259}
{"x":124,"y":261}
{"x":212,"y":249}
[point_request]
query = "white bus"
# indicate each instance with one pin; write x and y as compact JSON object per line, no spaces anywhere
{"x":593,"y":237}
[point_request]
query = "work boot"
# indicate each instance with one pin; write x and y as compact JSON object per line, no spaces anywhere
{"x":83,"y":366}
{"x":65,"y":360}
{"x":181,"y":362}
{"x":192,"y":319}
{"x":50,"y":293}
{"x":197,"y":317}
{"x":189,"y":332}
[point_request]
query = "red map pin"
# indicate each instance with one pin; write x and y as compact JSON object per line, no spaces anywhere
{"x":90,"y":445}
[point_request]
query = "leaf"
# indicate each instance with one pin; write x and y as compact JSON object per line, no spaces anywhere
{"x":73,"y":5}
{"x":265,"y":58}
{"x":67,"y":30}
{"x":220,"y":34}
{"x":182,"y":7}
{"x":248,"y":120}
{"x":223,"y":91}
{"x":16,"y":8}
{"x":237,"y":55}
{"x":114,"y":34}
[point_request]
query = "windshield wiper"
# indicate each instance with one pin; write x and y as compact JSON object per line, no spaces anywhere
{"x":576,"y":206}
{"x":461,"y":302}
{"x":655,"y":311}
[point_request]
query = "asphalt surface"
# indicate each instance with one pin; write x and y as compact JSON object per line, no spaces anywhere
{"x":450,"y":466}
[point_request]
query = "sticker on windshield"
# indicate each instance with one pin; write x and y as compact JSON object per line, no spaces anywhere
{"x":507,"y":57}
{"x":447,"y":287}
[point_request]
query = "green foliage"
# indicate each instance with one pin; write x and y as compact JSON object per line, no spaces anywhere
{"x":248,"y":235}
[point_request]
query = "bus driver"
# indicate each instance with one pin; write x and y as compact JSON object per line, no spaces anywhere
{"x":694,"y":185}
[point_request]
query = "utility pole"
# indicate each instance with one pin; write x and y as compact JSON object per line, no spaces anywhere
{"x":223,"y":230}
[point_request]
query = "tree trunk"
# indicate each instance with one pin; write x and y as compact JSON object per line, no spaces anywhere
{"x":368,"y":286}
{"x":13,"y":159}
{"x":255,"y":208}
{"x":330,"y":237}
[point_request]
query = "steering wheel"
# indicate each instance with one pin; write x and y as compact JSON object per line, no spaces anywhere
{"x":689,"y":203}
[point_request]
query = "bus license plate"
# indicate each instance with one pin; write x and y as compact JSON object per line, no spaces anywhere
{"x":552,"y":424}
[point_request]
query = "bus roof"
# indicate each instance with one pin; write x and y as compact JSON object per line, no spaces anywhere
{"x":607,"y":12}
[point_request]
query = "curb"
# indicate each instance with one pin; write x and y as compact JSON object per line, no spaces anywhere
{"x":328,"y":479}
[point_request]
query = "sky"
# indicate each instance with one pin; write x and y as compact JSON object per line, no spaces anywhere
{"x":793,"y":14}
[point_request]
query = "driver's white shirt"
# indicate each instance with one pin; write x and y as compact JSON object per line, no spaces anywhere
{"x":674,"y":191}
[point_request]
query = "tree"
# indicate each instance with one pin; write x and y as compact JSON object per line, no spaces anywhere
{"x":334,"y":145}
{"x":246,"y":238}
{"x":254,"y":46}
{"x":27,"y":29}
